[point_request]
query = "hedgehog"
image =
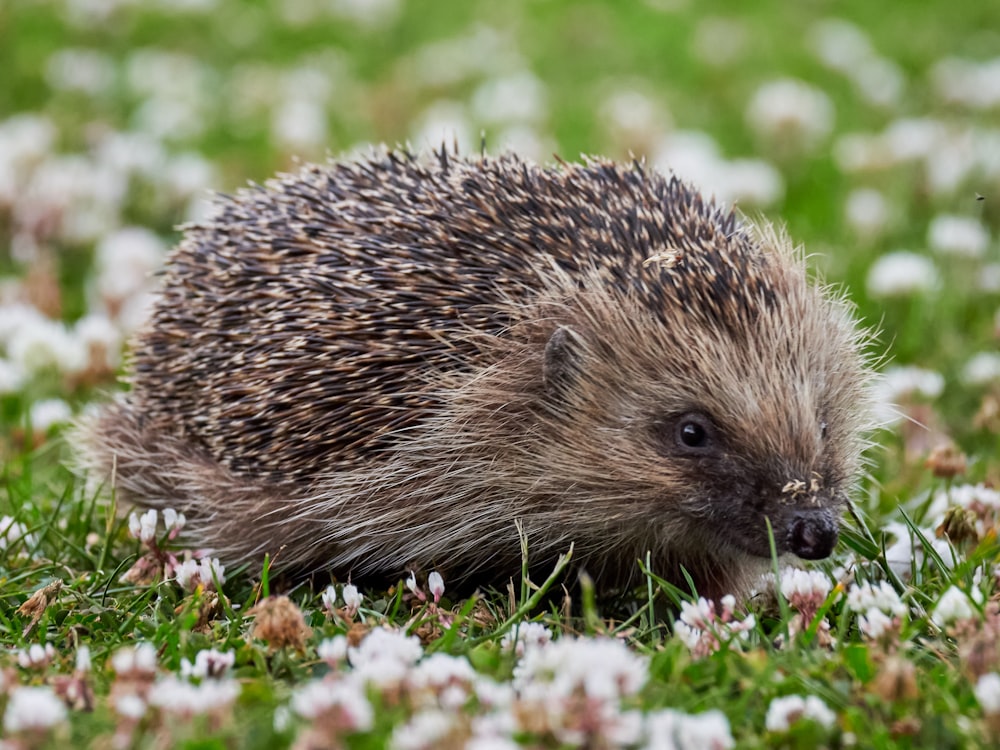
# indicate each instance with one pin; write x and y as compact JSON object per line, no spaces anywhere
{"x":419,"y":361}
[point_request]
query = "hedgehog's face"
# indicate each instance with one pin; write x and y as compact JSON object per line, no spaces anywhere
{"x":730,"y":440}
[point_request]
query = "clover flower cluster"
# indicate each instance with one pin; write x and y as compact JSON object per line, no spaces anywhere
{"x":159,"y":563}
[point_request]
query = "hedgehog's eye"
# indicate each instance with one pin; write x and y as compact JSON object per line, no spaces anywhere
{"x":694,"y":434}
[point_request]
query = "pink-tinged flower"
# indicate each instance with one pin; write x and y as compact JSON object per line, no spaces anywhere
{"x":436,"y":585}
{"x":333,"y":650}
{"x":138,"y":661}
{"x":704,"y":631}
{"x":352,"y":599}
{"x":36,"y":656}
{"x":176,"y":696}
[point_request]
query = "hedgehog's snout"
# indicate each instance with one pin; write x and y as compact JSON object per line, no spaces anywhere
{"x":812,"y":533}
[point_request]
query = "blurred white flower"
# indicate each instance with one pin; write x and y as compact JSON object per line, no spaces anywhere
{"x":33,"y":709}
{"x":525,"y":635}
{"x":970,"y":84}
{"x":907,"y":552}
{"x":720,"y":42}
{"x":298,"y":123}
{"x":881,"y":596}
{"x":988,"y":692}
{"x":12,"y":377}
{"x":172,"y":520}
{"x":695,"y":157}
{"x":633,"y":118}
{"x":332,"y":650}
{"x":901,"y":274}
{"x":958,"y":235}
{"x":101,"y":339}
{"x":444,"y":122}
{"x":982,"y":369}
{"x":352,"y":597}
{"x":839,"y":44}
{"x":875,"y":623}
{"x":953,"y":606}
{"x":435,"y":584}
{"x":668,"y":729}
{"x":867,"y":212}
{"x":385,"y":656}
{"x":426,"y":730}
{"x":514,"y":98}
{"x":12,"y":532}
{"x":797,"y":585}
{"x":787,"y":710}
{"x":125,"y":260}
{"x":790,"y":113}
{"x":344,"y":699}
{"x":47,"y":413}
{"x":129,"y":706}
{"x":85,"y":70}
{"x":208,"y":664}
{"x":41,"y":344}
{"x":36,"y":656}
{"x":139,"y":659}
{"x":177,"y":696}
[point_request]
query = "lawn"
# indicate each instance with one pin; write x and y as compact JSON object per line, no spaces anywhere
{"x":872,"y":134}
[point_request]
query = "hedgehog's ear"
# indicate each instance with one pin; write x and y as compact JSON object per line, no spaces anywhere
{"x":564,"y":354}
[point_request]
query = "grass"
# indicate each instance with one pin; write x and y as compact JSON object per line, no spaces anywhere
{"x":232,"y":70}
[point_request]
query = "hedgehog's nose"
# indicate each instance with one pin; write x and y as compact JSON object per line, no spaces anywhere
{"x":812,"y":534}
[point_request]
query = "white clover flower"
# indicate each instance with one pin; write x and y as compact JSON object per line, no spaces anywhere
{"x":208,"y":663}
{"x":140,"y":658}
{"x":43,"y":344}
{"x":36,"y":656}
{"x":347,"y":698}
{"x":332,"y":650}
{"x":129,"y":706}
{"x":125,"y":260}
{"x":982,"y":369}
{"x":435,"y":583}
{"x":901,"y":274}
{"x":384,"y":657}
{"x":791,"y":111}
{"x":172,"y":520}
{"x":786,"y":710}
{"x":599,"y":668}
{"x":202,"y":572}
{"x":352,"y":597}
{"x":669,"y":729}
{"x":178,"y":696}
{"x":875,"y":623}
{"x":953,"y":606}
{"x":411,"y":584}
{"x":329,"y":597}
{"x":439,"y":671}
{"x":958,"y":235}
{"x":143,"y":527}
{"x":800,"y":585}
{"x":867,"y":212}
{"x":426,"y":730}
{"x":33,"y":709}
{"x":525,"y":635}
{"x":988,"y":692}
{"x":881,"y":596}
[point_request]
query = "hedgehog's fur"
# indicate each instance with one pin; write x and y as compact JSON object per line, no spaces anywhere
{"x":367,"y":366}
